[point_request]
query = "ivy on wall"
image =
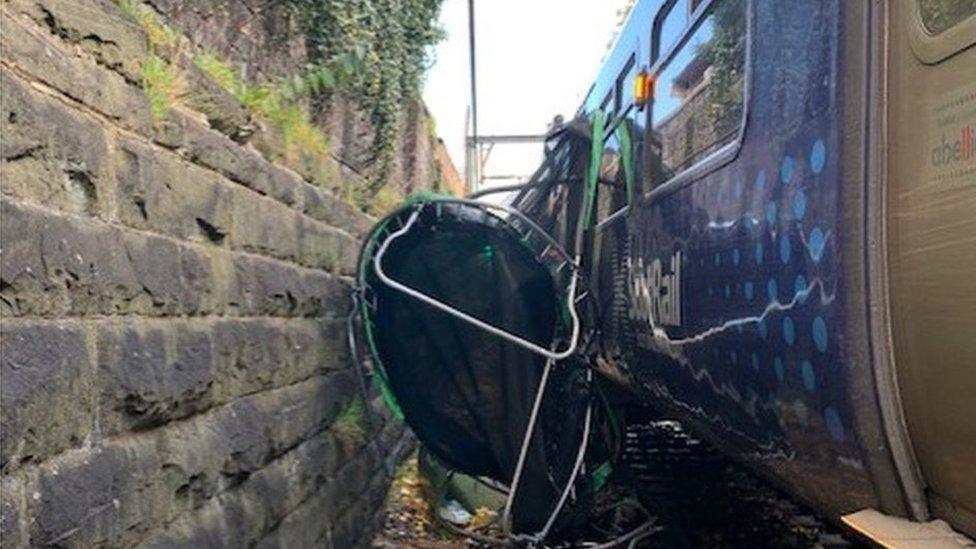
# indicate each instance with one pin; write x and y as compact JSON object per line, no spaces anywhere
{"x":389,"y":42}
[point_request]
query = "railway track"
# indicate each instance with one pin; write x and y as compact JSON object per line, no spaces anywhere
{"x":702,"y":499}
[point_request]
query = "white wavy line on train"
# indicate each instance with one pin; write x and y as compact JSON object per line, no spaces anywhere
{"x":660,"y":335}
{"x":769,"y":449}
{"x":672,"y":349}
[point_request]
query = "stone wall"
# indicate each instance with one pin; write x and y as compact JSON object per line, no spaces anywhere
{"x":451,"y":180}
{"x":174,"y":364}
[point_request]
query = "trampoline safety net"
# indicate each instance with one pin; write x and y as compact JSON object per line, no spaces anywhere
{"x":466,"y":392}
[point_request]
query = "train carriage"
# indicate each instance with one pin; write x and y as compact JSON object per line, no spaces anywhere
{"x":789,"y":274}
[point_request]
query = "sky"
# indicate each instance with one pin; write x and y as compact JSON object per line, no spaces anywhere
{"x":536,"y":59}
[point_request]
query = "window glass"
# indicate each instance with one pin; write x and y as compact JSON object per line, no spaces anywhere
{"x":699,"y":94}
{"x":607,"y":106}
{"x":673,"y":26}
{"x":625,"y":84}
{"x":940,"y":15}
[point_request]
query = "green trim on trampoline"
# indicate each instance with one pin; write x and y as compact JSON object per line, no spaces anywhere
{"x":424,"y":196}
{"x":600,"y":476}
{"x":384,"y":382}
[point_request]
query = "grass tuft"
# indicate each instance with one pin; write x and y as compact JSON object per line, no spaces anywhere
{"x":219,"y":71}
{"x":350,"y":426}
{"x":300,"y":135}
{"x":158,"y":34}
{"x":163,"y":84}
{"x":272,"y":103}
{"x":333,"y":259}
{"x":385,"y":200}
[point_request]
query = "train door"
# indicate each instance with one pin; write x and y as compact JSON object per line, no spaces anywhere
{"x":931,"y":237}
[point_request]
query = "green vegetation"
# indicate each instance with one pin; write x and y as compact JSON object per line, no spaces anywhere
{"x":333,"y":259}
{"x":388,"y":40}
{"x":350,"y":426}
{"x":162,"y":82}
{"x":725,"y":52}
{"x":159,"y":35}
{"x":278,"y":104}
{"x":384,"y":201}
{"x":163,"y":85}
{"x":222,"y":73}
{"x":313,"y":81}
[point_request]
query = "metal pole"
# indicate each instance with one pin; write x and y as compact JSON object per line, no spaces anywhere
{"x":474,"y":78}
{"x":468,"y":164}
{"x":474,"y":151}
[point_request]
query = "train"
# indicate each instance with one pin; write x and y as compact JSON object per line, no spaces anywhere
{"x":777,"y":227}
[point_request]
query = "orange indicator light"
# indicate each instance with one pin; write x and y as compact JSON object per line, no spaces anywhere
{"x":643,"y":88}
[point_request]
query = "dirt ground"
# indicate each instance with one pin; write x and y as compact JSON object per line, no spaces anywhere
{"x":410,"y":520}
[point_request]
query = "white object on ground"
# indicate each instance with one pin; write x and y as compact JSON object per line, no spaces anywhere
{"x":455,"y":513}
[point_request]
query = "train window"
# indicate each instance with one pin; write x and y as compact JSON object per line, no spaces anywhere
{"x":673,"y":26}
{"x":940,"y":28}
{"x":941,"y":15}
{"x":607,"y":106}
{"x":699,"y":93}
{"x":625,"y":84}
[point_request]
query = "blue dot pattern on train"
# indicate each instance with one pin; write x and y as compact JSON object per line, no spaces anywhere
{"x":834,"y":424}
{"x":787,"y":243}
{"x":789,"y":331}
{"x":809,"y":380}
{"x":763,"y":331}
{"x":784,"y":249}
{"x":820,"y":334}
{"x":786,"y":169}
{"x":818,"y":156}
{"x":793,"y":181}
{"x":799,"y":205}
{"x":800,"y":289}
{"x":771,"y":213}
{"x":817,"y":243}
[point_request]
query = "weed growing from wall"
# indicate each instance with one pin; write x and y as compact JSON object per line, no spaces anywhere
{"x":159,"y":35}
{"x":163,"y":85}
{"x":278,"y":103}
{"x":351,"y":424}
